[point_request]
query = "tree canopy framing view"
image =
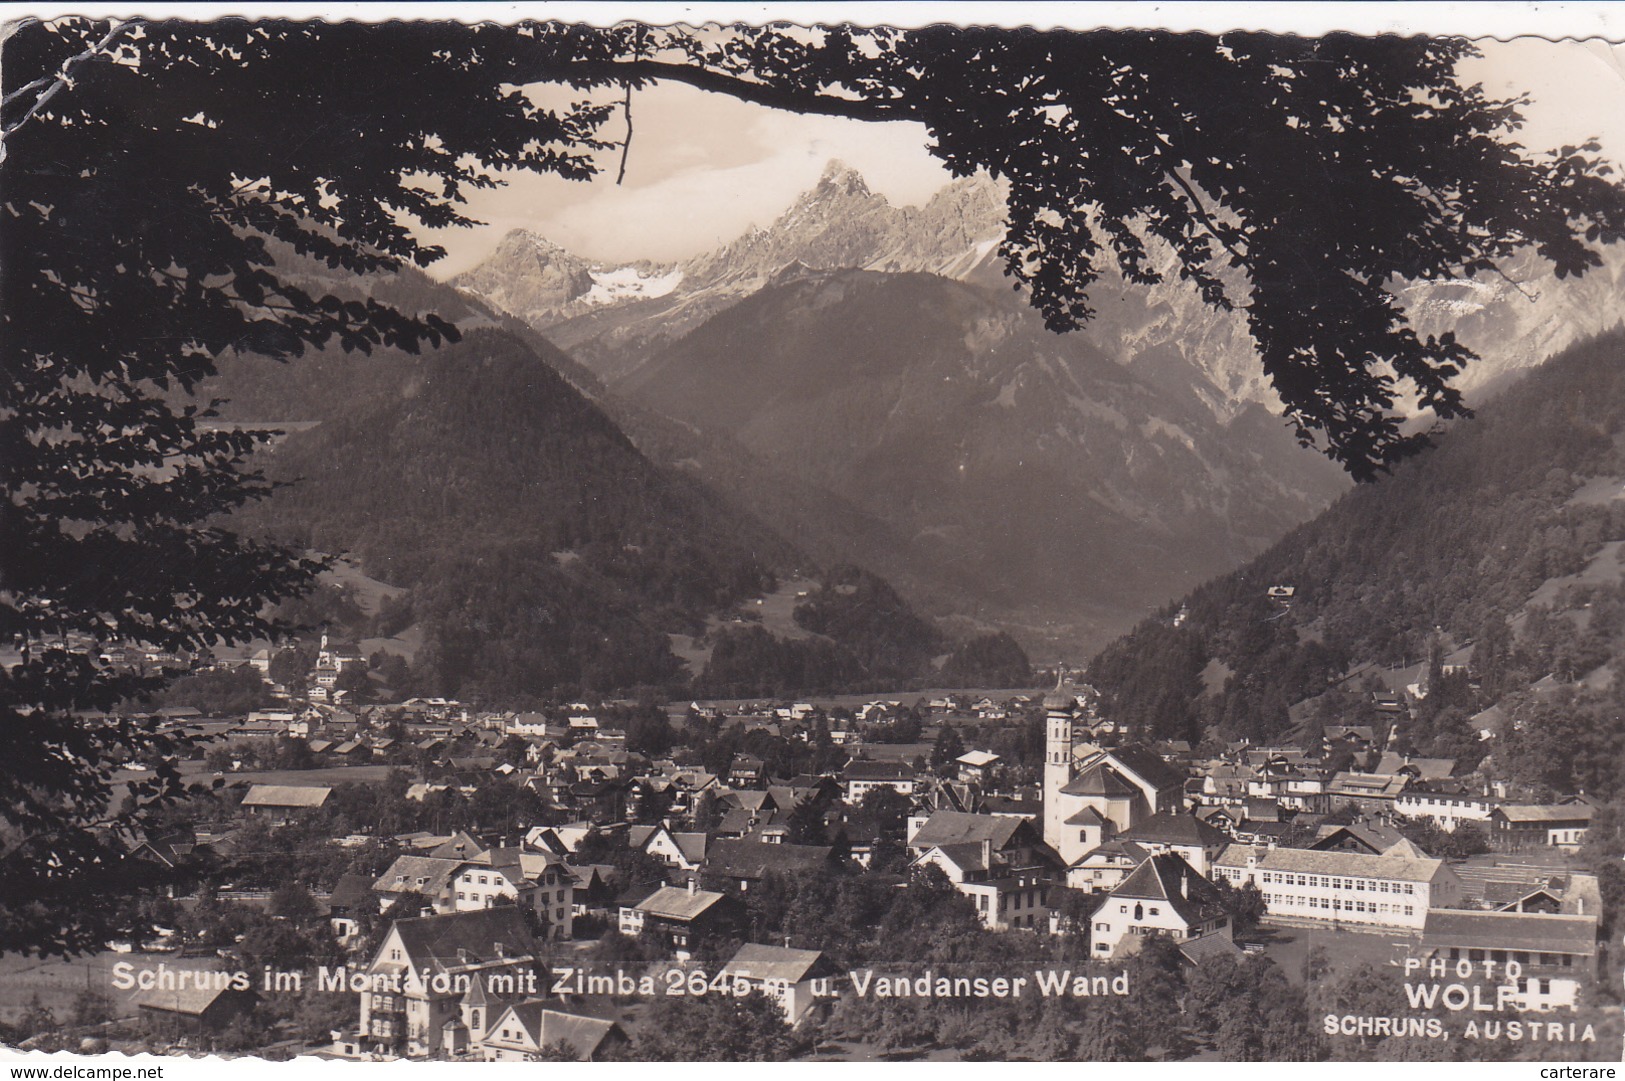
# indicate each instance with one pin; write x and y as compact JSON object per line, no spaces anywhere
{"x":152,"y":169}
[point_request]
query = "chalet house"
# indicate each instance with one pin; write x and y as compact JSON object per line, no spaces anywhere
{"x":688,"y":786}
{"x":1521,"y":826}
{"x":283,"y":802}
{"x":1183,"y":834}
{"x":1356,"y":737}
{"x":1018,"y":807}
{"x":1295,"y":787}
{"x":746,"y":771}
{"x":974,"y":767}
{"x":1004,"y":897}
{"x":1371,"y":793}
{"x":597,"y":801}
{"x":1103,"y":867}
{"x":745,"y":861}
{"x":737,"y":822}
{"x":530,"y":880}
{"x":629,"y":917}
{"x":862,"y":776}
{"x":193,"y":1010}
{"x":678,"y":851}
{"x":1446,"y":810}
{"x":459,"y":846}
{"x":423,"y":970}
{"x":1343,"y":887}
{"x":683,"y":917}
{"x":563,"y":839}
{"x":999,"y":861}
{"x":1369,"y":838}
{"x":788,"y":797}
{"x":527,"y":724}
{"x":1227,"y":783}
{"x":1164,"y":894}
{"x":814,"y":786}
{"x":525,"y":1029}
{"x":1558,"y":953}
{"x":793,"y":979}
{"x":1222,"y":818}
{"x":351,"y":898}
{"x":593,"y":888}
{"x":425,"y":876}
{"x":1418,"y":769}
{"x":166,"y":851}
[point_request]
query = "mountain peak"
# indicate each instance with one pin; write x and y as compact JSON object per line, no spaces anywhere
{"x":839,"y":176}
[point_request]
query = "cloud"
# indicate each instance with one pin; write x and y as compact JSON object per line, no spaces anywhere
{"x":702,"y":168}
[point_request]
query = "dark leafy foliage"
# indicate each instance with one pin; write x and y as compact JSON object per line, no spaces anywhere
{"x":988,"y":660}
{"x":151,"y":169}
{"x":1457,"y":543}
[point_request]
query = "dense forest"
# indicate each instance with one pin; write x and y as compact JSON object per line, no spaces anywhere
{"x":1448,"y":551}
{"x":539,"y":549}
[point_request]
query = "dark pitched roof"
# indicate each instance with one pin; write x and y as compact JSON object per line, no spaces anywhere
{"x":741,"y":819}
{"x":1538,"y":932}
{"x":957,"y":827}
{"x":678,"y":903}
{"x":1176,"y":829}
{"x":424,"y":874}
{"x":1116,"y":848}
{"x":1086,"y":817}
{"x":749,"y":858}
{"x":860,"y":769}
{"x":352,"y":891}
{"x":459,"y":846}
{"x":966,"y":855}
{"x":1198,"y":950}
{"x":548,"y":1027}
{"x":286,"y":795}
{"x":759,"y":962}
{"x":1149,"y":766}
{"x":691,"y":845}
{"x":1012,"y":805}
{"x":1167,"y":877}
{"x":190,"y":999}
{"x":635,"y":895}
{"x":462,"y":938}
{"x":1100,"y":779}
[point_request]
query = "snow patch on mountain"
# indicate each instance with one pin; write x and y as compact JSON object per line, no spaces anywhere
{"x":629,"y":283}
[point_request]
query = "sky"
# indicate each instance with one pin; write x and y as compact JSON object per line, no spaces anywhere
{"x":703,"y":168}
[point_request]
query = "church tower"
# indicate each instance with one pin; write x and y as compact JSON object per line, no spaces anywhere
{"x":1057,"y":760}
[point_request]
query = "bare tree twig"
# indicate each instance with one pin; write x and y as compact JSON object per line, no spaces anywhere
{"x":1518,"y":285}
{"x":626,"y":146}
{"x":63,"y":79}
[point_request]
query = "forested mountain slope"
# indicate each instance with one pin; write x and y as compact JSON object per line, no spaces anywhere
{"x":1498,"y":537}
{"x":1023,"y":469}
{"x":540,"y":548}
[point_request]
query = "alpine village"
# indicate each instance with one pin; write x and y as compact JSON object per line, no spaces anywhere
{"x":693,"y":714}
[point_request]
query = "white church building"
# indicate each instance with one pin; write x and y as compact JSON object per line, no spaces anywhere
{"x":1090,"y":794}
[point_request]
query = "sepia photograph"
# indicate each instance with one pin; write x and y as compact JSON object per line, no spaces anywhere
{"x":886,"y":533}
